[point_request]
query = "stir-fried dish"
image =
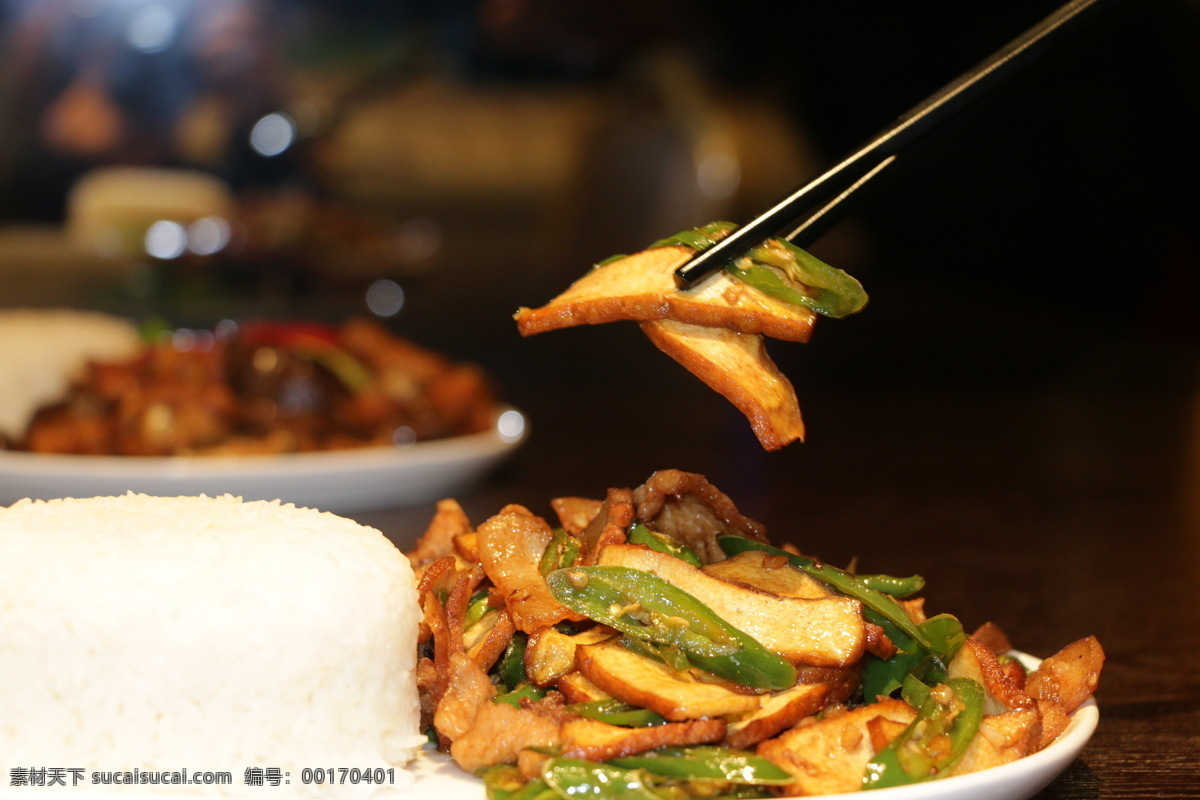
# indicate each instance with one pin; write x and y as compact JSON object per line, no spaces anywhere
{"x":264,"y":387}
{"x":716,"y":328}
{"x":653,"y":644}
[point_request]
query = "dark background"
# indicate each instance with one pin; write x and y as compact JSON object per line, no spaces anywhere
{"x":1043,"y":242}
{"x":1038,"y":252}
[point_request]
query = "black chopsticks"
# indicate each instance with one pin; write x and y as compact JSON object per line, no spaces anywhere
{"x":811,"y":206}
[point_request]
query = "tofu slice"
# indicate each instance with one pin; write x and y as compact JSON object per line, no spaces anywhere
{"x":647,"y":683}
{"x":822,"y":632}
{"x":738,"y":367}
{"x":829,"y":755}
{"x":641,"y":287}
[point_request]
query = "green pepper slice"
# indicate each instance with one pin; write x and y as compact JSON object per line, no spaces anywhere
{"x":511,"y":668}
{"x":572,"y":777}
{"x":560,"y":552}
{"x":535,"y":790}
{"x":640,"y":534}
{"x":644,"y":606}
{"x":524,"y":691}
{"x":934,"y":742}
{"x":708,"y":763}
{"x":890,"y":584}
{"x":700,"y":238}
{"x":476,"y":608}
{"x":505,"y":782}
{"x":615,"y":712}
{"x":781,"y":269}
{"x":927,"y":663}
{"x":669,"y":654}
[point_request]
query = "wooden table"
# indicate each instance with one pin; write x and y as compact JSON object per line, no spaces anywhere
{"x":1049,"y":487}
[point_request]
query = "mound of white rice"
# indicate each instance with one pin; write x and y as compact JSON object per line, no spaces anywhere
{"x":43,"y":350}
{"x":145,"y":633}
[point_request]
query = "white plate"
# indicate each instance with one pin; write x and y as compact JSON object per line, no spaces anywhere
{"x":437,"y":776}
{"x":340,"y":481}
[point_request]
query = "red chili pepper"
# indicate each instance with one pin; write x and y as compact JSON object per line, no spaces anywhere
{"x":288,"y":334}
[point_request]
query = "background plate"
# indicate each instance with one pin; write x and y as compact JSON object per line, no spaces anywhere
{"x":340,"y":481}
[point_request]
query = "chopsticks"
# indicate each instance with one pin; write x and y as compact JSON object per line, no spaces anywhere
{"x":829,"y":192}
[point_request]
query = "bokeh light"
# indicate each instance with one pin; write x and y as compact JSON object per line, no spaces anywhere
{"x":385,"y":298}
{"x":273,"y":134}
{"x":165,"y":239}
{"x":511,"y":425}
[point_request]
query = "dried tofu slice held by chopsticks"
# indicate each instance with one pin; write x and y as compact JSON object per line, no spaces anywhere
{"x":714,"y":328}
{"x":736,"y":366}
{"x":641,"y":287}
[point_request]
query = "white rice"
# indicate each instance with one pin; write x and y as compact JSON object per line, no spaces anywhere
{"x":203,"y":633}
{"x":42,"y":350}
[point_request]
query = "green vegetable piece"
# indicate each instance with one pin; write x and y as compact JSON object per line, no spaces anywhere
{"x":708,"y":764}
{"x":914,"y":691}
{"x":571,"y":777}
{"x":560,"y":552}
{"x":882,"y":678}
{"x":615,"y":712}
{"x":644,"y":606}
{"x":640,"y":534}
{"x":945,"y":634}
{"x":698,"y":238}
{"x":934,"y":742}
{"x":896,"y":587}
{"x":781,"y":269}
{"x":927,"y":662}
{"x":525,"y":691}
{"x":501,"y":781}
{"x":511,"y":668}
{"x":476,"y":608}
{"x":535,"y":789}
{"x":669,"y":654}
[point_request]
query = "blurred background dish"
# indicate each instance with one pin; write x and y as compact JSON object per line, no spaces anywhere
{"x":347,"y":417}
{"x":43,"y":350}
{"x":245,"y":387}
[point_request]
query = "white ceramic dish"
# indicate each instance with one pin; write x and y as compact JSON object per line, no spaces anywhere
{"x":437,"y":776}
{"x":339,"y":481}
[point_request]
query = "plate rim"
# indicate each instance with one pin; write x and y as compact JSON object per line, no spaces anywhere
{"x":181,"y":467}
{"x":343,"y":481}
{"x":1022,"y":778}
